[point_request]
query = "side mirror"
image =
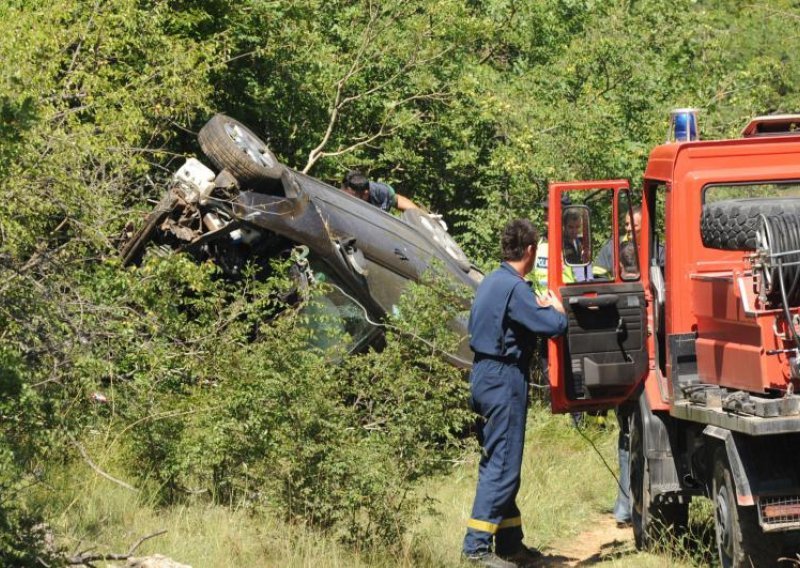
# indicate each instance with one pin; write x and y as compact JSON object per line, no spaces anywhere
{"x":576,"y":236}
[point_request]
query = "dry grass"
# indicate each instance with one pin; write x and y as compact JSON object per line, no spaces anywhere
{"x":566,"y":489}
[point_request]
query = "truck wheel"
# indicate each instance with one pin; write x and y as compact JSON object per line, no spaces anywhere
{"x":740,"y":541}
{"x":651,"y":521}
{"x":732,"y":224}
{"x":230,"y":145}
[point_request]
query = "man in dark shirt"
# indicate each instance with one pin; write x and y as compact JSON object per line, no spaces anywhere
{"x":605,"y":258}
{"x":505,"y":320}
{"x":379,"y":194}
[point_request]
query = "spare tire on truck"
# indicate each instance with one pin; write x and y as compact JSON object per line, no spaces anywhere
{"x":230,"y":145}
{"x":732,"y":224}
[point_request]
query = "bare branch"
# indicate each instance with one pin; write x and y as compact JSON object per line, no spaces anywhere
{"x":76,"y":53}
{"x":383,"y":131}
{"x":377,"y":21}
{"x":314,"y":155}
{"x":335,"y":107}
{"x":409,"y":65}
{"x":102,"y":473}
{"x":85,"y":558}
{"x":139,"y":542}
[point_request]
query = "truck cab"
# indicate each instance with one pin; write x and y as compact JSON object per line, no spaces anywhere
{"x":696,"y":340}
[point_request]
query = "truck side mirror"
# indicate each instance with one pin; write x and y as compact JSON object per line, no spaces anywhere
{"x":576,"y":235}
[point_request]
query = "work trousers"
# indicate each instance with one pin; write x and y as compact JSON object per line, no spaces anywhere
{"x":500,"y":396}
{"x":622,"y":506}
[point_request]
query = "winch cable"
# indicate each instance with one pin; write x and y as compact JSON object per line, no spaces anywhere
{"x":582,"y":432}
{"x":398,"y":329}
{"x":786,"y":311}
{"x":792,"y":245}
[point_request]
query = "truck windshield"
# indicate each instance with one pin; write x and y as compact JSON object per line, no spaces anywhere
{"x":762,"y":190}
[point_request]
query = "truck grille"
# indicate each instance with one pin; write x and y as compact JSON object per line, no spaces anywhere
{"x":779,"y":513}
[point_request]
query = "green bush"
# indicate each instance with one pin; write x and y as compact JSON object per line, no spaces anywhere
{"x":334,"y":441}
{"x":470,"y":106}
{"x":214,"y":387}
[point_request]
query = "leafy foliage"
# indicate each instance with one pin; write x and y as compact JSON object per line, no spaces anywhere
{"x":468,"y":108}
{"x":209,"y":397}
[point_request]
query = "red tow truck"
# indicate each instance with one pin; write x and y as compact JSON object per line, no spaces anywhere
{"x":698,"y":339}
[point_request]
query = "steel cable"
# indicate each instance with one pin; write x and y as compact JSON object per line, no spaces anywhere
{"x":781,"y":236}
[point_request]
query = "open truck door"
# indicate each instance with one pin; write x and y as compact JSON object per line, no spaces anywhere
{"x":595,"y":268}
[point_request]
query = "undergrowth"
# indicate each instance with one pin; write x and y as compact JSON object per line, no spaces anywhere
{"x":565,"y":490}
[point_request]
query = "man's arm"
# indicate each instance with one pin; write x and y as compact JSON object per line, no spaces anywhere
{"x":403,"y":203}
{"x":544,"y":316}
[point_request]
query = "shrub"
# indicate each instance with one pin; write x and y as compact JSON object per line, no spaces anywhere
{"x":214,"y":387}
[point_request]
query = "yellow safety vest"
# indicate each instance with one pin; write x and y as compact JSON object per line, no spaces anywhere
{"x":540,"y":269}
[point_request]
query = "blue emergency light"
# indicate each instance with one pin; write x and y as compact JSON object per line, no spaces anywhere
{"x":682,"y":125}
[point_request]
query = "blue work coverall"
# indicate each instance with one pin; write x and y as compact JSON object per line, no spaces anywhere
{"x":503,"y":325}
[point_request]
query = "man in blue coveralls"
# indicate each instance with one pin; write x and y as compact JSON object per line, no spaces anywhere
{"x":505,"y":319}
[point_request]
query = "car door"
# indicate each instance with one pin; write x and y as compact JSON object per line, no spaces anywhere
{"x":595,"y":269}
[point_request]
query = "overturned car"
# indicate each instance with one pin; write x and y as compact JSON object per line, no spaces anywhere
{"x":253,"y":209}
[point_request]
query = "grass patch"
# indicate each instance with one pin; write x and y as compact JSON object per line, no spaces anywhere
{"x":566,"y":490}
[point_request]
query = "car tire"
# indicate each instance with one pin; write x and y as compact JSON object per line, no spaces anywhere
{"x":432,"y":227}
{"x":732,"y":224}
{"x":230,"y":145}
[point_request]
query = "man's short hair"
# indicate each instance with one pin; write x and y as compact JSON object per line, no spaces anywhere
{"x":356,"y":181}
{"x":572,"y":215}
{"x":517,"y":235}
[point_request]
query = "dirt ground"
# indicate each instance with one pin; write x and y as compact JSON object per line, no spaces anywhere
{"x":602,"y":542}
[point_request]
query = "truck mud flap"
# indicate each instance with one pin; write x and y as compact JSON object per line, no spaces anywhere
{"x":665,"y":483}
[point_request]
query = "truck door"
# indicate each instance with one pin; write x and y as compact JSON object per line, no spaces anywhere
{"x":594,"y":269}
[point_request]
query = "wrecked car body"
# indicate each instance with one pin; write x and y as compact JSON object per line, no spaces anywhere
{"x":255,"y":209}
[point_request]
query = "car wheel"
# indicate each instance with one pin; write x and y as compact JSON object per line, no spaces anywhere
{"x":230,"y":145}
{"x":433,"y":228}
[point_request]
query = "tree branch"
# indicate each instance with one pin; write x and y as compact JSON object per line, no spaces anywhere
{"x":102,"y":473}
{"x":85,"y":558}
{"x":340,"y":101}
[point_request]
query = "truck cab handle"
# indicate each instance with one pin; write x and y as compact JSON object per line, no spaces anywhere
{"x":600,"y":301}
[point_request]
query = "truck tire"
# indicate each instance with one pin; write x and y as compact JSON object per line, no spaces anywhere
{"x":740,"y":541}
{"x":652,"y":522}
{"x":732,"y":224}
{"x":230,"y":145}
